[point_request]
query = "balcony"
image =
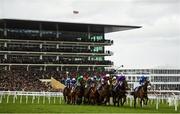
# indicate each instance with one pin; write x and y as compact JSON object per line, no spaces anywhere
{"x":25,"y":61}
{"x":35,"y":35}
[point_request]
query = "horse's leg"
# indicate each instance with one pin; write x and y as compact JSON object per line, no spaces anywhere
{"x":74,"y":99}
{"x":65,"y":98}
{"x":121,"y":100}
{"x":71,"y":99}
{"x":146,"y":100}
{"x":134,"y":101}
{"x":109,"y":100}
{"x":124,"y":99}
{"x":68,"y":100}
{"x":114,"y":100}
{"x":141,"y":99}
{"x":105,"y":100}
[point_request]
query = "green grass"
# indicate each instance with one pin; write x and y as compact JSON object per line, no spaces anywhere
{"x":56,"y":107}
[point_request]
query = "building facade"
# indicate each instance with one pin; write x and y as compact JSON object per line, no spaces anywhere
{"x":161,"y":79}
{"x":43,"y":45}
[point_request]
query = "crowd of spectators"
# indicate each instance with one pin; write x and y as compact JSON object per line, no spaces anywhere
{"x":22,"y":80}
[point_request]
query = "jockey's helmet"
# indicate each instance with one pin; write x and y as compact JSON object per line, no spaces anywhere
{"x":95,"y":77}
{"x":114,"y":78}
{"x":107,"y":75}
{"x":92,"y":78}
{"x":81,"y":76}
{"x":73,"y":79}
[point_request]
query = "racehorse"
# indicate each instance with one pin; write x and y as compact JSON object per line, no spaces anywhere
{"x":86,"y":94}
{"x":104,"y":94}
{"x":80,"y":92}
{"x":141,"y":93}
{"x":73,"y":95}
{"x":87,"y":91}
{"x":67,"y":94}
{"x":93,"y":94}
{"x":119,"y":93}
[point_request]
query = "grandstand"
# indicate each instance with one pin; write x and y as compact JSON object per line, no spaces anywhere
{"x":32,"y":50}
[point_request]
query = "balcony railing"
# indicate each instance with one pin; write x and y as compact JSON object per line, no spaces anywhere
{"x":52,"y":61}
{"x":60,"y":50}
{"x":50,"y":36}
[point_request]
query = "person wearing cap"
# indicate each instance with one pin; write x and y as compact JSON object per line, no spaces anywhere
{"x":93,"y":81}
{"x":79,"y":80}
{"x":114,"y":81}
{"x":106,"y":79}
{"x":142,"y":80}
{"x":103,"y":82}
{"x":68,"y":82}
{"x":120,"y":80}
{"x":73,"y":82}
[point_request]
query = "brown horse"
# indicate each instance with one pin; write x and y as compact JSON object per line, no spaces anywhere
{"x":123,"y":91}
{"x":119,"y":93}
{"x":104,"y":94}
{"x":93,"y":95}
{"x":73,"y":95}
{"x":67,"y":95}
{"x":86,"y":94}
{"x":141,"y":93}
{"x":80,"y":92}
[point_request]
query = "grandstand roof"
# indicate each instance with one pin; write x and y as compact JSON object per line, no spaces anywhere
{"x":68,"y":26}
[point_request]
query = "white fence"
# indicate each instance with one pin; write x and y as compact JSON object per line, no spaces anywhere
{"x":25,"y":93}
{"x":31,"y":97}
{"x":157,"y":97}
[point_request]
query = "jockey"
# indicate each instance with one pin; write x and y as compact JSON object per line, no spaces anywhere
{"x":114,"y":81}
{"x":142,"y":80}
{"x":103,"y":82}
{"x":73,"y":82}
{"x":106,"y":79}
{"x":68,"y":82}
{"x":121,"y":78}
{"x":79,"y":80}
{"x":93,"y":81}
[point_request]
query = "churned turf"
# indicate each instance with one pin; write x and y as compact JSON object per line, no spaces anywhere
{"x":56,"y":105}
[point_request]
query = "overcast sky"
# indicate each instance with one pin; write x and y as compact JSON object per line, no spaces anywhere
{"x":157,"y":43}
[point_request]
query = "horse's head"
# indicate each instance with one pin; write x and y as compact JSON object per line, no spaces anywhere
{"x":123,"y":85}
{"x":79,"y":90}
{"x":147,"y":84}
{"x":126,"y":85}
{"x":83,"y":82}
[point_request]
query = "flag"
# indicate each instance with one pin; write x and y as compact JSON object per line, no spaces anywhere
{"x":56,"y":84}
{"x":75,"y":12}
